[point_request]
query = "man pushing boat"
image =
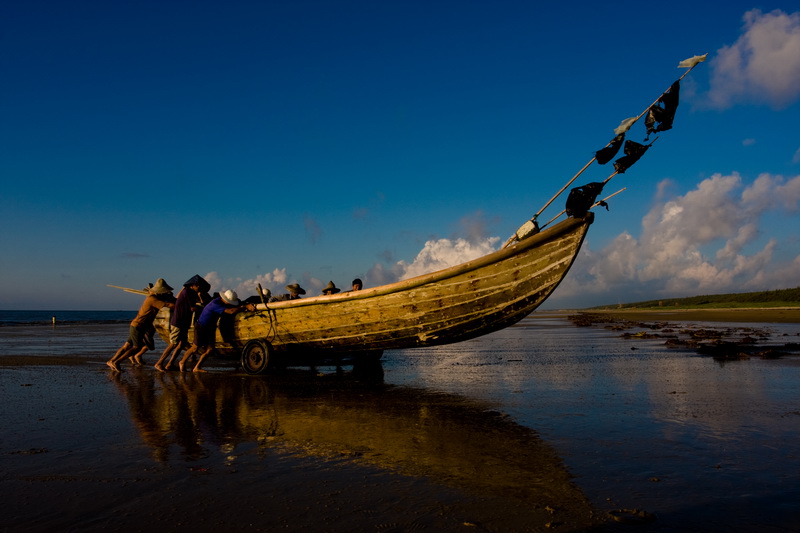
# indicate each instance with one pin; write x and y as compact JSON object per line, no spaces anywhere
{"x":141,"y":330}
{"x":206,"y":328}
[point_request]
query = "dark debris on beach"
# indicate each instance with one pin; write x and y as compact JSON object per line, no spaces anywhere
{"x":721,"y":343}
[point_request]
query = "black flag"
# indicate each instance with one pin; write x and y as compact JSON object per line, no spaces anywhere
{"x":661,"y":118}
{"x":581,"y":199}
{"x":608,"y":153}
{"x":633,"y":151}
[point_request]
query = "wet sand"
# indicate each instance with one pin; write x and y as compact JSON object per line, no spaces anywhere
{"x":540,"y":427}
{"x":769,"y":315}
{"x":87,"y":449}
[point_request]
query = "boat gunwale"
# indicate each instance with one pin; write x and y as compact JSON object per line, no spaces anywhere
{"x":439,"y":275}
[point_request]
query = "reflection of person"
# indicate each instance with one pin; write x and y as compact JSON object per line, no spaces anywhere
{"x":330,"y":288}
{"x":357,"y":285}
{"x":295,"y":290}
{"x":205,"y":331}
{"x":190,"y":302}
{"x":140,"y":337}
{"x":146,"y":413}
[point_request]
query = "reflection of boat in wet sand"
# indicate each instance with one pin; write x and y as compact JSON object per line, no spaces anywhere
{"x":451,"y":305}
{"x":453,"y":441}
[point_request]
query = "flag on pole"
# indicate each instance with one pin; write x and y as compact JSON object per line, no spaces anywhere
{"x":633,"y":151}
{"x":661,"y":114}
{"x":625,"y":125}
{"x":692,"y":61}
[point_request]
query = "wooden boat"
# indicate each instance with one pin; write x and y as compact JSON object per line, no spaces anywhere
{"x":451,"y":305}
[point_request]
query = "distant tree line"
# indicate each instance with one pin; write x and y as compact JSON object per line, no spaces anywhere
{"x":776,"y":298}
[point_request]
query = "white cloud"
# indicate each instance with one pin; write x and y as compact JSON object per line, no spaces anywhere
{"x":796,"y":156}
{"x":215,"y":280}
{"x":381,"y":274}
{"x":762,"y":66}
{"x":709,"y":240}
{"x":274,"y":281}
{"x":748,"y":142}
{"x":438,"y":254}
{"x":443,"y":253}
{"x":435,"y":255}
{"x":706,"y":241}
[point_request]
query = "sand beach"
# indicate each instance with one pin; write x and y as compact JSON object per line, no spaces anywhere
{"x":769,"y":315}
{"x":544,"y":426}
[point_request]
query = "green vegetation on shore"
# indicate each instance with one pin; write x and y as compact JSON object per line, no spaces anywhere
{"x":748,"y":300}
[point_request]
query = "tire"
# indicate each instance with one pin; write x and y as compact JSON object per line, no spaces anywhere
{"x":373,"y":356}
{"x":256,"y":356}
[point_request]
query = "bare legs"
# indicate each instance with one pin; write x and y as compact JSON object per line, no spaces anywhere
{"x":190,"y":352}
{"x":125,"y":351}
{"x":172,"y":347}
{"x":175,"y":356}
{"x":202,"y":358}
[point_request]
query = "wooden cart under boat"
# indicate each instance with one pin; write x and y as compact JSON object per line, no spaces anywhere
{"x":451,"y":305}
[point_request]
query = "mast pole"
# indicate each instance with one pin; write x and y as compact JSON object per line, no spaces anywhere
{"x":593,"y":205}
{"x":532,"y":220}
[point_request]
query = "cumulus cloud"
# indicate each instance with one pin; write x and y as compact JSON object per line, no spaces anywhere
{"x":469,"y":242}
{"x":796,"y":157}
{"x":762,"y":66}
{"x":715,"y":238}
{"x":215,"y":280}
{"x":442,"y":253}
{"x":381,"y":274}
{"x":274,"y":281}
{"x":708,"y":240}
{"x":435,"y":255}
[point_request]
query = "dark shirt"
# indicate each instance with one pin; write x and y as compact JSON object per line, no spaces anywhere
{"x":188,"y":302}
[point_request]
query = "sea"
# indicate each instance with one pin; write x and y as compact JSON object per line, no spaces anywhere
{"x":16,"y":318}
{"x":63,"y":333}
{"x":702,"y":443}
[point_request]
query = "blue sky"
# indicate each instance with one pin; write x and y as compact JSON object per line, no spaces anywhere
{"x":308,"y":141}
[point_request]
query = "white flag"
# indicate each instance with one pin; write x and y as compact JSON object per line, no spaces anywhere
{"x":625,"y":125}
{"x":692,"y":61}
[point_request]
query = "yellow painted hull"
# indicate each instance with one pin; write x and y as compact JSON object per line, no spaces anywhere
{"x":450,"y":305}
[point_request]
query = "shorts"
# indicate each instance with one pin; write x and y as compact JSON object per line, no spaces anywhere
{"x":139,"y":337}
{"x":178,"y":335}
{"x":205,"y":336}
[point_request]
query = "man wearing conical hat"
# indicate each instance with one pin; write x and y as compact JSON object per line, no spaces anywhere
{"x":140,"y":336}
{"x":191,"y":300}
{"x":295,"y":290}
{"x":330,"y":288}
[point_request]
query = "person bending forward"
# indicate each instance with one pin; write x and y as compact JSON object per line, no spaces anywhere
{"x":205,"y":331}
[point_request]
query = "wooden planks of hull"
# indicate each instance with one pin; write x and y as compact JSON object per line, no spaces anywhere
{"x":450,"y":305}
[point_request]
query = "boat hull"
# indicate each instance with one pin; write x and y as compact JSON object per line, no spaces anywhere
{"x":447,"y":306}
